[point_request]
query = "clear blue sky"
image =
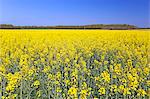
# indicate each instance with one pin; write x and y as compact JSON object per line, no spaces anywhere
{"x":75,"y":12}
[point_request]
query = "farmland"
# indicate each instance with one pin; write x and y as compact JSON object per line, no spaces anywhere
{"x":84,"y":64}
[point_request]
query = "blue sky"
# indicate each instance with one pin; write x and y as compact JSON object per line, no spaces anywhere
{"x":75,"y":12}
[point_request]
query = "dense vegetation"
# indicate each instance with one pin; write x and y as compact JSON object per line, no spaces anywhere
{"x":96,"y":26}
{"x":74,"y":64}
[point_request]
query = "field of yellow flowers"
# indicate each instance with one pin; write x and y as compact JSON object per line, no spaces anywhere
{"x":74,"y":64}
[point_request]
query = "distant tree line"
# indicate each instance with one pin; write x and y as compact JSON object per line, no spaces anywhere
{"x":95,"y":26}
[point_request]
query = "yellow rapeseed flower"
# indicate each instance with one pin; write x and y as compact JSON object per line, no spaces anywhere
{"x":72,"y":91}
{"x":102,"y":91}
{"x":36,"y":83}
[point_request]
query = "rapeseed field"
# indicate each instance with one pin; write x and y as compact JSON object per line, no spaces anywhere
{"x":74,"y":64}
